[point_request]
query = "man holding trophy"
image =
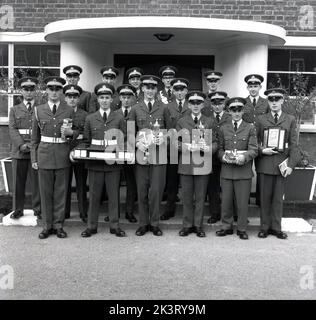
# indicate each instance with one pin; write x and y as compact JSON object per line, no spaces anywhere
{"x":197,"y":144}
{"x":50,"y":155}
{"x":150,"y":117}
{"x":237,"y":148}
{"x":277,"y":144}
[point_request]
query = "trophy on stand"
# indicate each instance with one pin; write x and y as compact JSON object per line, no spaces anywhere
{"x":67,"y":124}
{"x":201,"y":134}
{"x":156,"y":131}
{"x":231,"y":156}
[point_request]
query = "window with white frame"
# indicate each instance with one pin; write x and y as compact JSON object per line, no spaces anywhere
{"x":20,"y":60}
{"x":284,"y":65}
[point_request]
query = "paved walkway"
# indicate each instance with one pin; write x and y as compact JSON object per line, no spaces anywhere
{"x":169,"y":267}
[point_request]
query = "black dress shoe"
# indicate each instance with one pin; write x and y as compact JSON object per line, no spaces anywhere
{"x":193,"y":229}
{"x":52,"y":231}
{"x":223,"y":233}
{"x":212,"y":220}
{"x":184,"y":232}
{"x":16,"y":214}
{"x":61,"y":233}
{"x":37,"y":214}
{"x":262,"y":234}
{"x":118,"y":232}
{"x":106,"y":219}
{"x":200,"y":233}
{"x":130,"y":217}
{"x":44,"y":234}
{"x":141,"y":230}
{"x":242,"y":235}
{"x":156,"y":231}
{"x":88,"y":233}
{"x":278,"y":234}
{"x":167,"y":216}
{"x":84,"y":219}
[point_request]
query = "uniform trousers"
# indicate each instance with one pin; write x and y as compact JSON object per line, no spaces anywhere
{"x":214,"y":190}
{"x":131,"y":187}
{"x":271,"y":198}
{"x":53,"y":188}
{"x":150,"y":186}
{"x":172,"y":186}
{"x":240,"y":190}
{"x":81,"y":174}
{"x":20,"y":169}
{"x":112,"y":183}
{"x":193,"y":188}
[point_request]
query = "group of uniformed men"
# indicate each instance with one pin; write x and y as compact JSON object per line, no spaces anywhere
{"x":42,"y":144}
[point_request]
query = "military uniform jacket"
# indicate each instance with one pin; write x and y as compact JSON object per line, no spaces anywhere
{"x":269,"y":164}
{"x":94,"y":105}
{"x":83,"y":102}
{"x":19,"y":118}
{"x":79,"y":118}
{"x":251,"y":114}
{"x":50,"y":155}
{"x":95,"y":128}
{"x":244,"y":139}
{"x":163,"y":96}
{"x":193,"y":168}
{"x":144,"y":120}
{"x":175,"y":114}
{"x":226,"y":118}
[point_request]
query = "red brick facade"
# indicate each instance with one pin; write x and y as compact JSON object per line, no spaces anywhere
{"x":34,"y":15}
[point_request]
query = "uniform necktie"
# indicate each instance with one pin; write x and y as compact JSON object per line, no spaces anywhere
{"x":180,"y":106}
{"x":125,"y":113}
{"x":150,"y":106}
{"x":235,"y":125}
{"x":276,"y":118}
{"x":54,"y":108}
{"x":196,"y":120}
{"x":169,"y":93}
{"x":29,"y":108}
{"x":218,"y":119}
{"x":105,"y":117}
{"x":254,"y":102}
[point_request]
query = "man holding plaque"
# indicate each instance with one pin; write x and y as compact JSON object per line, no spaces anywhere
{"x":277,"y":142}
{"x":72,"y":97}
{"x":149,"y":118}
{"x":50,"y":150}
{"x":104,"y":131}
{"x":237,"y":148}
{"x":197,"y":143}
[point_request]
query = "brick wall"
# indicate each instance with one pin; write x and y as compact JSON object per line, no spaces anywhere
{"x":34,"y":15}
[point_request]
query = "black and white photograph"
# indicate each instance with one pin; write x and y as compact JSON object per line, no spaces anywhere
{"x":157,"y":156}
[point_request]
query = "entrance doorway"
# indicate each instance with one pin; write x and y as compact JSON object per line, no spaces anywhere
{"x":190,"y":67}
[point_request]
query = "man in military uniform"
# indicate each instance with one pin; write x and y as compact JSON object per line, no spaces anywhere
{"x":219,"y":117}
{"x":98,"y":133}
{"x":20,"y":125}
{"x":194,"y":174}
{"x":177,"y":109}
{"x":237,"y":148}
{"x":50,"y":155}
{"x":255,"y":106}
{"x":133,"y":75}
{"x":150,"y":169}
{"x":73,"y":73}
{"x":167,"y":73}
{"x":213,"y":79}
{"x":127,"y":93}
{"x":271,"y":179}
{"x":109,"y":75}
{"x":72,"y":95}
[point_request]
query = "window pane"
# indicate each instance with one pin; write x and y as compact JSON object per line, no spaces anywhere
{"x":287,"y":81}
{"x":3,"y":55}
{"x":3,"y":80}
{"x":38,"y":73}
{"x":303,"y":60}
{"x":278,"y":60}
{"x":3,"y":105}
{"x":50,"y":56}
{"x":26,"y":55}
